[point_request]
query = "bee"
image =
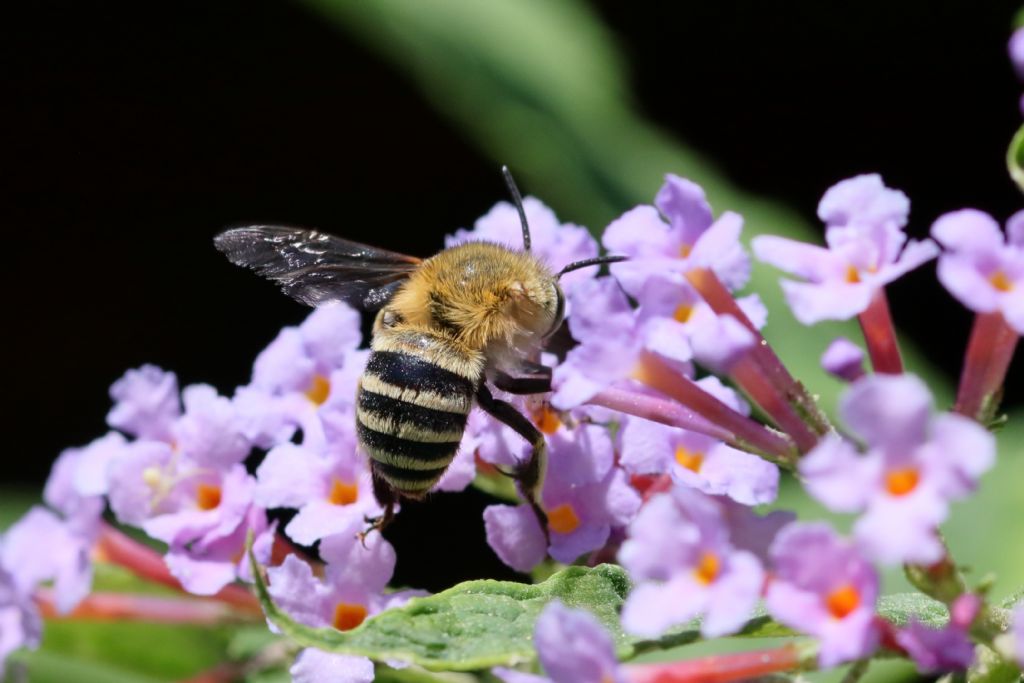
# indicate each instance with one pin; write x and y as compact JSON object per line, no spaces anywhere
{"x":446,"y":327}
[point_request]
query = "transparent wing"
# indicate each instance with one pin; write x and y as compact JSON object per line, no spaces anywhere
{"x":313,"y":267}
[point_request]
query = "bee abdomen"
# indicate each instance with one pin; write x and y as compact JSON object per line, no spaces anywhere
{"x":411,"y":414}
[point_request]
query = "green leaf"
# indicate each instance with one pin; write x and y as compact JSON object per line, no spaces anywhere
{"x":899,"y":608}
{"x":1015,"y":158}
{"x":475,"y":625}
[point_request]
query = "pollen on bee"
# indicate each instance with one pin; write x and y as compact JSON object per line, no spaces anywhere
{"x":343,"y":492}
{"x":563,"y":519}
{"x":546,"y":419}
{"x":842,"y":601}
{"x":319,"y":390}
{"x":348,"y":615}
{"x":691,"y":460}
{"x":207,"y":496}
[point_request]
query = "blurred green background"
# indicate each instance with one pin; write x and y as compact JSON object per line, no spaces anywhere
{"x":143,"y":131}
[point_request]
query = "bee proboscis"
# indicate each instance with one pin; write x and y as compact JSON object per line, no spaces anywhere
{"x":446,"y":326}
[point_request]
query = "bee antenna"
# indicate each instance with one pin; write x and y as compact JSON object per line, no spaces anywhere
{"x":597,"y":260}
{"x":518,"y":199}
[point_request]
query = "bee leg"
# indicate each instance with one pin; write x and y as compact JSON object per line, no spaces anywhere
{"x":530,"y":475}
{"x":535,"y":379}
{"x":387,"y":498}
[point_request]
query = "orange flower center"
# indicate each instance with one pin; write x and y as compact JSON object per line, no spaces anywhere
{"x":348,"y":615}
{"x":546,"y":419}
{"x":842,"y":601}
{"x":902,"y":481}
{"x":691,"y":460}
{"x":563,"y":519}
{"x":1000,"y":281}
{"x":319,"y":390}
{"x":343,"y":492}
{"x":852,"y":275}
{"x":707,"y":569}
{"x":207,"y":496}
{"x":684,"y":250}
{"x":682,"y":313}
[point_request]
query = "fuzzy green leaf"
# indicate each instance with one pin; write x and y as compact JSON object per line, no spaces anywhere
{"x":475,"y":625}
{"x":1015,"y":158}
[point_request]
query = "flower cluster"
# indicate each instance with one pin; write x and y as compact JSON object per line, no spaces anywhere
{"x":671,"y":418}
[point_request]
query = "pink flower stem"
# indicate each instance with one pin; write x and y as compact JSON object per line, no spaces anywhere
{"x":748,"y":434}
{"x":786,"y":388}
{"x":749,"y":376}
{"x":129,"y":607}
{"x":118,"y":548}
{"x":659,"y":409}
{"x":719,"y":668}
{"x":989,"y":351}
{"x":880,"y":335}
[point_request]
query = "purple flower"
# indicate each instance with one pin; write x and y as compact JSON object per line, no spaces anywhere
{"x":210,"y":432}
{"x":557,"y":244}
{"x":20,"y":625}
{"x":611,"y":340}
{"x":350,"y":591}
{"x":145,"y":403}
{"x":678,"y":324}
{"x":867,"y":249}
{"x":1016,"y":50}
{"x":690,"y":238}
{"x":573,"y":647}
{"x":680,"y":554}
{"x":294,"y":377}
{"x":41,"y":547}
{"x":823,"y":587}
{"x":329,"y":490}
{"x":945,"y":649}
{"x":1017,"y":634}
{"x":914,"y":465}
{"x":843,"y":359}
{"x":981,"y":269}
{"x":90,"y":466}
{"x":696,"y":460}
{"x":585,"y":496}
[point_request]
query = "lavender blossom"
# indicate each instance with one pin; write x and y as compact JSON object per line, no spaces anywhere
{"x":20,"y":624}
{"x":690,"y":238}
{"x":915,"y":464}
{"x":984,"y":271}
{"x":867,"y":249}
{"x":944,"y":649}
{"x":573,"y":647}
{"x":585,"y":496}
{"x":680,"y":554}
{"x":844,"y":360}
{"x":350,"y":591}
{"x":1017,"y":634}
{"x":822,"y":586}
{"x":145,"y":403}
{"x":329,"y":489}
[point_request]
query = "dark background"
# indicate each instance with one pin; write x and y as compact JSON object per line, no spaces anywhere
{"x":134,"y":132}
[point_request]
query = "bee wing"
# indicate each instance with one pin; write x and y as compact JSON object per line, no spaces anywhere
{"x":314,"y":267}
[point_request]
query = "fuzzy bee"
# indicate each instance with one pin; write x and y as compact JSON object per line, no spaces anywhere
{"x":446,"y":326}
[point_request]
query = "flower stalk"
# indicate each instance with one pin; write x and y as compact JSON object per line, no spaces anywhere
{"x":990,"y":349}
{"x":880,"y":335}
{"x":720,"y":668}
{"x":785,"y":390}
{"x":129,"y":607}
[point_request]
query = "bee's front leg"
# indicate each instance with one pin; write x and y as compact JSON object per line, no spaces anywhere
{"x":530,"y":475}
{"x":530,"y":378}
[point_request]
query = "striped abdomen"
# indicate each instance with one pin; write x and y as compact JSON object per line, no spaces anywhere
{"x":412,"y":404}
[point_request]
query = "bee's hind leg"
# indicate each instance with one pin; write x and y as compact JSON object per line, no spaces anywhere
{"x":530,"y":475}
{"x":387,"y":497}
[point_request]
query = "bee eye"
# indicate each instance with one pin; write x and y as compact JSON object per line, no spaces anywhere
{"x":559,"y":311}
